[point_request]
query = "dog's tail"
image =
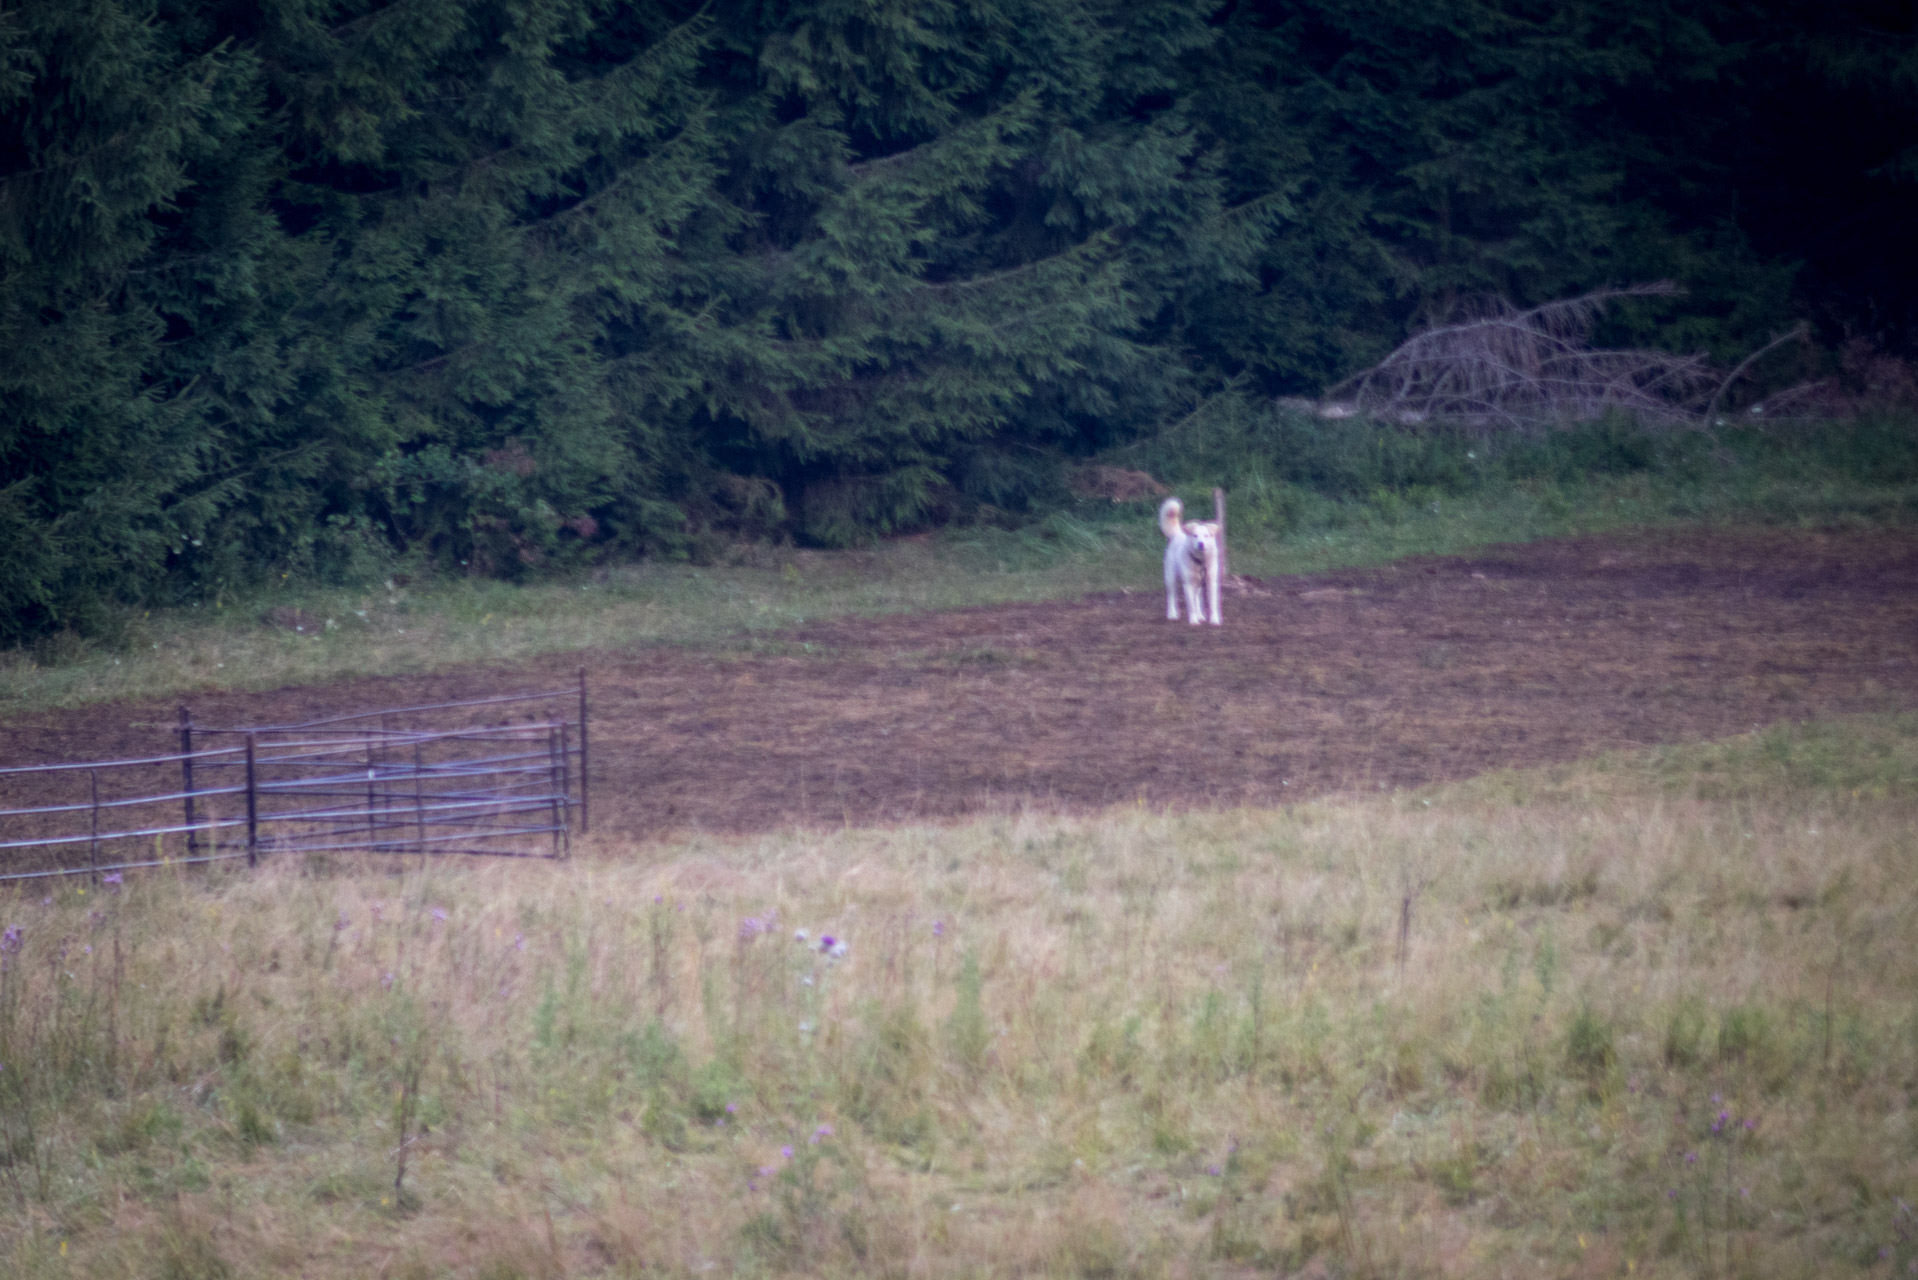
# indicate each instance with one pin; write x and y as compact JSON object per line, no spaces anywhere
{"x":1171,"y":513}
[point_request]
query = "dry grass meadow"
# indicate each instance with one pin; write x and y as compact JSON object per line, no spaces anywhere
{"x":1649,"y":1015}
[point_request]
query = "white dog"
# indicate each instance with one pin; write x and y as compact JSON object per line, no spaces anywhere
{"x":1191,"y":565}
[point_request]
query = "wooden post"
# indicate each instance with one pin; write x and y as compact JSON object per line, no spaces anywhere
{"x":1218,"y":514}
{"x":252,"y":810}
{"x":585,"y":811}
{"x":186,"y":779}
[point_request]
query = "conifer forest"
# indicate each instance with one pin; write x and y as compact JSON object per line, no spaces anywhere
{"x":307,"y":286}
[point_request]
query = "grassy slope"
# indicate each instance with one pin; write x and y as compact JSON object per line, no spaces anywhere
{"x":1655,"y":1018}
{"x":418,"y":627}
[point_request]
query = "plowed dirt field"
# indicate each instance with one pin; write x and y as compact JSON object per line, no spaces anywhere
{"x":1411,"y":673}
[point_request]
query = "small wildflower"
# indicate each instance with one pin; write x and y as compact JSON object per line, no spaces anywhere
{"x":766,"y":1171}
{"x":938,"y":928}
{"x":658,"y":899}
{"x":10,"y":940}
{"x":827,"y":942}
{"x":800,"y":935}
{"x":87,"y":950}
{"x":823,"y":1131}
{"x":1691,"y":1157}
{"x":439,"y":915}
{"x":519,"y":942}
{"x":1718,"y":1125}
{"x":386,"y":981}
{"x":1214,"y":1170}
{"x":1751,"y":1123}
{"x":732,"y":1108}
{"x":112,"y":878}
{"x":787,"y":1152}
{"x":838,"y":952}
{"x":1716,"y":1099}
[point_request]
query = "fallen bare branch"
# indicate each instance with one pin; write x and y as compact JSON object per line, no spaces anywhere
{"x":1524,"y":369}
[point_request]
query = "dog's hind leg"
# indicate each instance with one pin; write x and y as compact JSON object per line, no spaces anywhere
{"x":1171,"y":585}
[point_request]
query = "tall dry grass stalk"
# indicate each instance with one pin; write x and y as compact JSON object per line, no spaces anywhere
{"x":1651,"y":1016}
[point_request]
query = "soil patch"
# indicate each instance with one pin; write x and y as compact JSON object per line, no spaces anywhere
{"x":1416,"y":672}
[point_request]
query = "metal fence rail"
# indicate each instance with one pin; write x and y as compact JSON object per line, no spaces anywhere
{"x":333,"y":785}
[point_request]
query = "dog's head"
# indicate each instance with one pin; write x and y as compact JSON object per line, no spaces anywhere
{"x":1202,"y":539}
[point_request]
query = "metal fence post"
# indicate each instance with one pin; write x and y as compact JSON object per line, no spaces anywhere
{"x":93,"y":845}
{"x":566,"y":785}
{"x":186,"y":779}
{"x":585,"y":810}
{"x":252,"y":810}
{"x":553,"y":785}
{"x":419,"y":797}
{"x":371,"y":829}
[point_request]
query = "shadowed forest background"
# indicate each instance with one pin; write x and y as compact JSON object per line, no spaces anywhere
{"x":292,"y":287}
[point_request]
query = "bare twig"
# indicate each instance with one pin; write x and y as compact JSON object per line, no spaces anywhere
{"x":1799,"y":330}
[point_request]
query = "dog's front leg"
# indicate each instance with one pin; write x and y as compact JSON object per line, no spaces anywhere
{"x":1194,"y":602}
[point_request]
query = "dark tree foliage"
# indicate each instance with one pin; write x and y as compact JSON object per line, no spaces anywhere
{"x":312,"y":286}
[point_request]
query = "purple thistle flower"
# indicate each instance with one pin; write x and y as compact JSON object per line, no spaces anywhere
{"x":10,"y":940}
{"x":787,"y":1152}
{"x":1214,"y":1170}
{"x":732,"y":1108}
{"x":1691,"y":1157}
{"x":1751,"y":1123}
{"x":439,"y":915}
{"x":826,"y":941}
{"x":823,"y":1131}
{"x":112,"y":878}
{"x":938,"y":928}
